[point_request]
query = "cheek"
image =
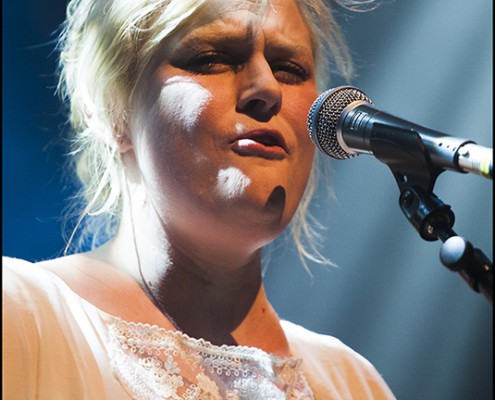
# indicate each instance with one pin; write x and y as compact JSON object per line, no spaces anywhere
{"x":231,"y":183}
{"x":298,"y":105}
{"x":168,"y":131}
{"x":297,"y":102}
{"x":182,"y":102}
{"x":173,"y":121}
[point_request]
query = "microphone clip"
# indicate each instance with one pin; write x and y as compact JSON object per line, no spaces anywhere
{"x":416,"y":175}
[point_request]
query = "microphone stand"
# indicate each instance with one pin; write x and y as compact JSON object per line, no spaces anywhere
{"x":415,"y":175}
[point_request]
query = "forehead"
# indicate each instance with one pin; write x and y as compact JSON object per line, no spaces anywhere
{"x":278,"y":20}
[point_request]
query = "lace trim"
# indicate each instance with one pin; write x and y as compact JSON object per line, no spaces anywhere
{"x":154,"y":363}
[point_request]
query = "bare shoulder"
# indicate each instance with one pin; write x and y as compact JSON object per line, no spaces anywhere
{"x":104,"y":285}
{"x":66,"y":268}
{"x":71,"y":264}
{"x":90,"y":278}
{"x":74,"y":269}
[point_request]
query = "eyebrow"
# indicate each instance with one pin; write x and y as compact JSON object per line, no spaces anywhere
{"x":288,"y":48}
{"x":227,"y":37}
{"x":218,"y":35}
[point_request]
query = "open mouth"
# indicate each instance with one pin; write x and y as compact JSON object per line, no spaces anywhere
{"x":262,"y":143}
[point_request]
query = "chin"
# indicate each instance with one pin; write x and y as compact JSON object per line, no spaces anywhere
{"x":267,"y":217}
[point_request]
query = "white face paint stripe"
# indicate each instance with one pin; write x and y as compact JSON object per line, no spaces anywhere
{"x":185,"y":99}
{"x":231,"y":182}
{"x":239,"y":128}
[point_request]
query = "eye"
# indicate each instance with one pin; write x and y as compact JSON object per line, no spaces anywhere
{"x":290,"y":72}
{"x":210,"y":62}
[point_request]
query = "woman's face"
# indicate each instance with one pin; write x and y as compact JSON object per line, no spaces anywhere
{"x":220,"y":135}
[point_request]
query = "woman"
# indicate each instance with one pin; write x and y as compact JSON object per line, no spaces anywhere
{"x":190,"y":137}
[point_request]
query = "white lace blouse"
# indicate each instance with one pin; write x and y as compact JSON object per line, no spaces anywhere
{"x":153,"y":363}
{"x":56,"y":345}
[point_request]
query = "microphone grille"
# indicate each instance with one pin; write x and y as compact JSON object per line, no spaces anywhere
{"x":324,"y":115}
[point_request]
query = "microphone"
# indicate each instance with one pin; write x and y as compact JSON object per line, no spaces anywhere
{"x":343,"y":123}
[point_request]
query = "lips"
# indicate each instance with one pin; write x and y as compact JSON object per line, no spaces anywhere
{"x":269,"y":144}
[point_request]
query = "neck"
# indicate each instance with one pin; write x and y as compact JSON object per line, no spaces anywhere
{"x":208,"y":287}
{"x":205,"y":293}
{"x":203,"y":300}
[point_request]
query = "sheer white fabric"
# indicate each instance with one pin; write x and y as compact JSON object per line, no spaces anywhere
{"x":154,"y":363}
{"x":57,"y":345}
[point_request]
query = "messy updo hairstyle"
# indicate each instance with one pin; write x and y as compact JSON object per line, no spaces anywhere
{"x":104,"y":46}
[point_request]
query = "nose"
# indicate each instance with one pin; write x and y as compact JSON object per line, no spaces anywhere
{"x":260,"y":94}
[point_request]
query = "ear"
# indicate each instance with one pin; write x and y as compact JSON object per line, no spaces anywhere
{"x":122,"y":136}
{"x":124,"y":142}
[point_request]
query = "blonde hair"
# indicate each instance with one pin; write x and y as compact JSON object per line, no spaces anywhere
{"x":104,"y":47}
